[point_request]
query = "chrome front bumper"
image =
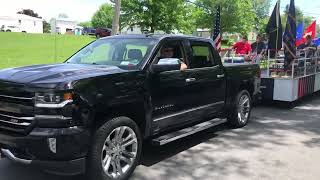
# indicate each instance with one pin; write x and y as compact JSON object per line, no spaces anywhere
{"x":7,"y":153}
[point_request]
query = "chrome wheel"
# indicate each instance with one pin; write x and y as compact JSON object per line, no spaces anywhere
{"x":244,"y":108}
{"x":119,"y":151}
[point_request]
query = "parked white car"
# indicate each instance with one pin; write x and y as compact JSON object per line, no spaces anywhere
{"x":11,"y":29}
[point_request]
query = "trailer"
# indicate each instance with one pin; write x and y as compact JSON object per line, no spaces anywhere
{"x":278,"y":84}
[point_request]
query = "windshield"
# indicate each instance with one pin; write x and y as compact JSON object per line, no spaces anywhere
{"x":124,"y":53}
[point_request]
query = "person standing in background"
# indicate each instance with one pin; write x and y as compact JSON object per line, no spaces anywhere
{"x":243,"y":48}
{"x":258,"y":48}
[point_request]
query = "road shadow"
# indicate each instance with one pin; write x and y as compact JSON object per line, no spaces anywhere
{"x":150,"y":155}
{"x":287,"y":105}
{"x":271,"y":127}
{"x":154,"y":154}
{"x":194,"y":157}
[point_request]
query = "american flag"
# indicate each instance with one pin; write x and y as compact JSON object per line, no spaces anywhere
{"x":216,"y":36}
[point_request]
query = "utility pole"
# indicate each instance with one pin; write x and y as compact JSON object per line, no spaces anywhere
{"x":115,"y":23}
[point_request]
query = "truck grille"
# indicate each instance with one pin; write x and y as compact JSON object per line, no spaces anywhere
{"x":16,"y":108}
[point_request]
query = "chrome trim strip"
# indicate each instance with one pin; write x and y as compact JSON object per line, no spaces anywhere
{"x":207,"y":125}
{"x":60,"y":105}
{"x":186,"y":111}
{"x":52,"y":117}
{"x":14,"y":97}
{"x":12,"y":157}
{"x":19,"y":124}
{"x":20,"y":118}
{"x":204,"y":68}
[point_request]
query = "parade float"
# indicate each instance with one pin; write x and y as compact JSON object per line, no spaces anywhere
{"x":287,"y":74}
{"x":300,"y":79}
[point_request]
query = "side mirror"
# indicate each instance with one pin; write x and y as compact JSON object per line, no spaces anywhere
{"x":166,"y":64}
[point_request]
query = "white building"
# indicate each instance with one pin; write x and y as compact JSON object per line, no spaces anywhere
{"x":24,"y":23}
{"x":205,"y":33}
{"x":131,"y":30}
{"x":137,"y":30}
{"x":63,"y":25}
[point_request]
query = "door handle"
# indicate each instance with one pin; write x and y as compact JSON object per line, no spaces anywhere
{"x":220,"y":75}
{"x":190,"y":80}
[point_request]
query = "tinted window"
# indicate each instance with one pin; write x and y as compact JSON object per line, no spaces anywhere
{"x":201,"y":55}
{"x":124,"y":53}
{"x":170,"y":49}
{"x":131,"y":49}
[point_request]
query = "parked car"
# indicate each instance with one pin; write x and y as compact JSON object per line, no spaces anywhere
{"x":11,"y":28}
{"x":89,"y":31}
{"x":92,"y":113}
{"x":103,"y":32}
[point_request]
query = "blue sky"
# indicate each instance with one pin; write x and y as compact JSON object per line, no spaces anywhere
{"x":309,"y":7}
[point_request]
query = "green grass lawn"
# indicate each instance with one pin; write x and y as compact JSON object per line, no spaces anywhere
{"x":20,"y":49}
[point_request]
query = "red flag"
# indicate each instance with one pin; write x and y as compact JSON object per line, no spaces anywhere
{"x":311,"y":30}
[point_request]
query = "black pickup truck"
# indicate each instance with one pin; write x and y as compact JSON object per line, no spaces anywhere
{"x":92,"y":113}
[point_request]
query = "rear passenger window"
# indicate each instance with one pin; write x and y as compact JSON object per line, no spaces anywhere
{"x":201,"y":55}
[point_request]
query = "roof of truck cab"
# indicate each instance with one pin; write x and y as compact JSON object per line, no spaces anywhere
{"x":156,"y":36}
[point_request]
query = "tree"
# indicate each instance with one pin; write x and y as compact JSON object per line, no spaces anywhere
{"x":86,"y":24}
{"x":263,"y":25}
{"x":103,"y":17}
{"x":46,"y":27}
{"x":29,"y":12}
{"x":261,"y":8}
{"x":153,"y":15}
{"x":187,"y":24}
{"x":236,"y":15}
{"x":63,"y":15}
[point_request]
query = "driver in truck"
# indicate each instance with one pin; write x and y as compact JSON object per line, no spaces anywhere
{"x":167,"y":51}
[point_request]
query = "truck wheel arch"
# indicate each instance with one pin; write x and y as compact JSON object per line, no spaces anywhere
{"x":135,"y":113}
{"x":249,"y":86}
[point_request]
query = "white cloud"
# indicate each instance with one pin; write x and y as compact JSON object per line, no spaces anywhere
{"x":79,"y":10}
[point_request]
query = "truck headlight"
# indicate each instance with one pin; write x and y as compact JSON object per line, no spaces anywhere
{"x":53,"y":100}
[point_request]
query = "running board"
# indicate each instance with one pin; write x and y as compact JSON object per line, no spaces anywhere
{"x":167,"y":138}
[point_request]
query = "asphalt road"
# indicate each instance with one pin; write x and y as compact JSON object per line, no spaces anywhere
{"x":279,"y":143}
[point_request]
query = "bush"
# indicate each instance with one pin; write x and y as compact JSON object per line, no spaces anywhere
{"x":231,"y":42}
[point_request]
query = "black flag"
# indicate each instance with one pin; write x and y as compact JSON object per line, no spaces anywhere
{"x":289,"y":37}
{"x":274,"y":31}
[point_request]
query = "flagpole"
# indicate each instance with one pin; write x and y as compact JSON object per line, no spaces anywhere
{"x":278,"y":15}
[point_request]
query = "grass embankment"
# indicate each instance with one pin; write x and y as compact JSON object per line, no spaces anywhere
{"x":20,"y":49}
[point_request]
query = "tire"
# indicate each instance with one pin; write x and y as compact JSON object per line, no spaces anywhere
{"x":240,"y":114}
{"x":8,"y":30}
{"x":102,"y":153}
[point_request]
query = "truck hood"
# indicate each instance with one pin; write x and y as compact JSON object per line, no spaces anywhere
{"x":55,"y":73}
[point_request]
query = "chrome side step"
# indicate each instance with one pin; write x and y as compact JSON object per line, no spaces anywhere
{"x":159,"y":141}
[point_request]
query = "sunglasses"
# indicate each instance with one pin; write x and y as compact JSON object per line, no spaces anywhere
{"x":168,"y":50}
